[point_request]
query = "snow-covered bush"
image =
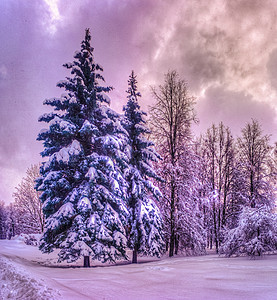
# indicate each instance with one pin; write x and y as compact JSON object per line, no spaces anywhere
{"x":28,"y":239}
{"x":255,"y":234}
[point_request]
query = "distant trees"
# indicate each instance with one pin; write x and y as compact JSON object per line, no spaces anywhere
{"x":218,"y":157}
{"x":9,"y":221}
{"x":27,"y":206}
{"x":24,"y":215}
{"x":257,"y":165}
{"x":3,"y":221}
{"x":255,"y":232}
{"x":240,"y":178}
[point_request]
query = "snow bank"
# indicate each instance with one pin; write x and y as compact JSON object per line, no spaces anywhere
{"x":16,"y":283}
{"x":26,"y":273}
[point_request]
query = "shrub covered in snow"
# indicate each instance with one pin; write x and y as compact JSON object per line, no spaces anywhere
{"x":255,"y":234}
{"x":28,"y":239}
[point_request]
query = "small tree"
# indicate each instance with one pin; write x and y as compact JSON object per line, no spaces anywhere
{"x":29,"y":215}
{"x":3,"y":221}
{"x":145,"y":222}
{"x":82,"y":182}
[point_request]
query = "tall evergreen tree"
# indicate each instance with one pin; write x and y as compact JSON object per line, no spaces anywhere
{"x":82,"y":184}
{"x":145,"y":222}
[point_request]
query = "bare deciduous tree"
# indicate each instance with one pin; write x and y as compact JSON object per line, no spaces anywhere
{"x":255,"y":155}
{"x":218,"y":153}
{"x":171,"y":119}
{"x":28,"y":206}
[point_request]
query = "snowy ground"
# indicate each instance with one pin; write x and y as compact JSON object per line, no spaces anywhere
{"x":27,"y":274}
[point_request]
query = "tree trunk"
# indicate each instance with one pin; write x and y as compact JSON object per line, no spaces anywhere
{"x":215,"y":231}
{"x":176,"y":244}
{"x":166,"y":245}
{"x":172,"y":234}
{"x":211,"y":239}
{"x":172,"y":218}
{"x":219,"y":227}
{"x":86,"y":262}
{"x":135,"y":255}
{"x":171,"y":245}
{"x":252,"y":198}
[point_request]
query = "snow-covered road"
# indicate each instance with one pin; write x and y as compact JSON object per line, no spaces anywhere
{"x":28,"y":274}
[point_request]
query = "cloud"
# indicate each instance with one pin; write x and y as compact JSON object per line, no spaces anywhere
{"x":225,"y":50}
{"x":234,"y":109}
{"x":272,"y":68}
{"x":3,"y":72}
{"x":54,"y":18}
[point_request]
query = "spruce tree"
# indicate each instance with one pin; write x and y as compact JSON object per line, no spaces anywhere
{"x":145,"y":223}
{"x":81,"y":183}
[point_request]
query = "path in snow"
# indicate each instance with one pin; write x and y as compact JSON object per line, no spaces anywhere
{"x":205,"y":277}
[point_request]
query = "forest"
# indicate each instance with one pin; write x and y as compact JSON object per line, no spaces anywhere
{"x":142,"y":181}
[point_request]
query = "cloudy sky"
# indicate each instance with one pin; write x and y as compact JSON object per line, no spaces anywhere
{"x":225,"y":50}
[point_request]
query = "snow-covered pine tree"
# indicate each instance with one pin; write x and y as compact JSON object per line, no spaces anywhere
{"x":81,"y":183}
{"x":145,"y":222}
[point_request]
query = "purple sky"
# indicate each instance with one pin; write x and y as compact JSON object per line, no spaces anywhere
{"x":225,"y":50}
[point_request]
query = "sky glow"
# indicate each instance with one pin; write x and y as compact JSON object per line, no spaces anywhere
{"x":225,"y":50}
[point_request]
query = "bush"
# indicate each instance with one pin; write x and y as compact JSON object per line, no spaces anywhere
{"x":255,"y":234}
{"x":28,"y":239}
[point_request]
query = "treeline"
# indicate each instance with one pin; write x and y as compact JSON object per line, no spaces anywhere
{"x":218,"y":191}
{"x":115,"y":181}
{"x":25,"y":214}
